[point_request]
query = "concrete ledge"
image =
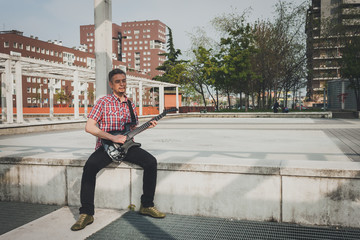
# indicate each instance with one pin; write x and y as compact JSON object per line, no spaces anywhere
{"x":318,"y":193}
{"x":60,"y":123}
{"x":263,"y":115}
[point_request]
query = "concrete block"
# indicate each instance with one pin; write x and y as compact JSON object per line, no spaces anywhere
{"x":228,"y":195}
{"x":321,"y":201}
{"x":9,"y":182}
{"x":112,"y":187}
{"x":42,"y":184}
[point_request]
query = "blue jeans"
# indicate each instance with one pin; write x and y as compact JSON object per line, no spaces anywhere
{"x":99,"y":160}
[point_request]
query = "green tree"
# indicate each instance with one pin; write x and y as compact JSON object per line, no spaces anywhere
{"x":237,"y":47}
{"x":172,"y":56}
{"x":61,"y":96}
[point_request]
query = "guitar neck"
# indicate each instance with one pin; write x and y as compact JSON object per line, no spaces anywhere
{"x":144,"y":126}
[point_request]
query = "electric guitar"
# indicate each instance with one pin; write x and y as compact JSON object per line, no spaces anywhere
{"x":118,"y":151}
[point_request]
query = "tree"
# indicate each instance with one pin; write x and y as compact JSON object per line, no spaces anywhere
{"x":350,"y":66}
{"x":171,"y":61}
{"x":237,"y":47}
{"x":280,"y":59}
{"x":61,"y":96}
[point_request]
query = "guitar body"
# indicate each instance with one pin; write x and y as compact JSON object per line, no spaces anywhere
{"x":118,"y":151}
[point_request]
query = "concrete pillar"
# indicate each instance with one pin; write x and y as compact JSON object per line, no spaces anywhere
{"x":177,"y":99}
{"x":86,"y":102}
{"x":3,"y":99}
{"x":342,"y":94}
{"x":76,"y":94}
{"x":161,"y":99}
{"x":51,"y":96}
{"x":8,"y":93}
{"x":19,"y":93}
{"x":103,"y":46}
{"x":140,"y":99}
{"x":134,"y":95}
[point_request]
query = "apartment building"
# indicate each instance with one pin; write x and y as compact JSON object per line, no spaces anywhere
{"x":36,"y":89}
{"x":330,"y":24}
{"x":137,"y":44}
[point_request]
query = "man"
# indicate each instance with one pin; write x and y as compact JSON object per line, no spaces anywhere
{"x":111,"y":113}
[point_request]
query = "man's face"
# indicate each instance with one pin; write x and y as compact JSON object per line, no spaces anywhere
{"x":118,"y":84}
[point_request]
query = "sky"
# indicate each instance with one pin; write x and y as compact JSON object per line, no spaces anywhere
{"x":61,"y":19}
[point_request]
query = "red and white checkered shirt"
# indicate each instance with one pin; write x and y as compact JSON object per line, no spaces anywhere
{"x":111,"y":114}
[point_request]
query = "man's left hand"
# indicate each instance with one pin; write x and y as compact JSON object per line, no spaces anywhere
{"x":153,"y":123}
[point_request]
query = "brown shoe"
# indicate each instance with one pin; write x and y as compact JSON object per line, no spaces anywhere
{"x":151,"y":211}
{"x":83,"y":221}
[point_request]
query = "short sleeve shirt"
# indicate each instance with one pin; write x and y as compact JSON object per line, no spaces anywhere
{"x":111,"y":114}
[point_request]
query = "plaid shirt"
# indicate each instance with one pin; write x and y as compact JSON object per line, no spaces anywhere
{"x":111,"y":114}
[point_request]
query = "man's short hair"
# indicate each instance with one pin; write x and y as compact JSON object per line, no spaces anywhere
{"x":114,"y":72}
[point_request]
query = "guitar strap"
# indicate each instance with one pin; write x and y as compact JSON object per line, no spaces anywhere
{"x":133,"y":119}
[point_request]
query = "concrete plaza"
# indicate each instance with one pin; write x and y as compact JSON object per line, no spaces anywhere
{"x":239,"y":158}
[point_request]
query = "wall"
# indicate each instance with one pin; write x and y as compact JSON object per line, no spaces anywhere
{"x":294,"y":192}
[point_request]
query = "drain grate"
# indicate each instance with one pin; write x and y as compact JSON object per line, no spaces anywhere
{"x":135,"y":226}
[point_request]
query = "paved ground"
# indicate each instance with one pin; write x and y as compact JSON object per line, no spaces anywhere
{"x":185,"y":140}
{"x":43,"y":222}
{"x":211,"y":139}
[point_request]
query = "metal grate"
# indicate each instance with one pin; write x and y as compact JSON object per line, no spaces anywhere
{"x":135,"y":226}
{"x":16,"y":214}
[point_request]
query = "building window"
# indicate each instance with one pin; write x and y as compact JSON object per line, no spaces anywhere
{"x":15,"y":45}
{"x":27,"y":48}
{"x":28,"y":90}
{"x":33,"y":49}
{"x":28,"y":79}
{"x":45,"y":91}
{"x":6,"y":44}
{"x":34,"y":80}
{"x":28,"y":100}
{"x":21,"y":46}
{"x":34,"y":90}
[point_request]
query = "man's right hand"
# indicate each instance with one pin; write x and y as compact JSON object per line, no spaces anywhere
{"x":118,"y":139}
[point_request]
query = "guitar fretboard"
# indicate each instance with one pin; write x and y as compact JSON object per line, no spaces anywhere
{"x":144,"y":126}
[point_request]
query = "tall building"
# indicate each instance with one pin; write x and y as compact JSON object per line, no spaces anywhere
{"x":137,"y":44}
{"x":330,"y":25}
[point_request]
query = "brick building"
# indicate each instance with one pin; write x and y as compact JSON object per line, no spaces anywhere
{"x":136,"y":44}
{"x":36,"y":89}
